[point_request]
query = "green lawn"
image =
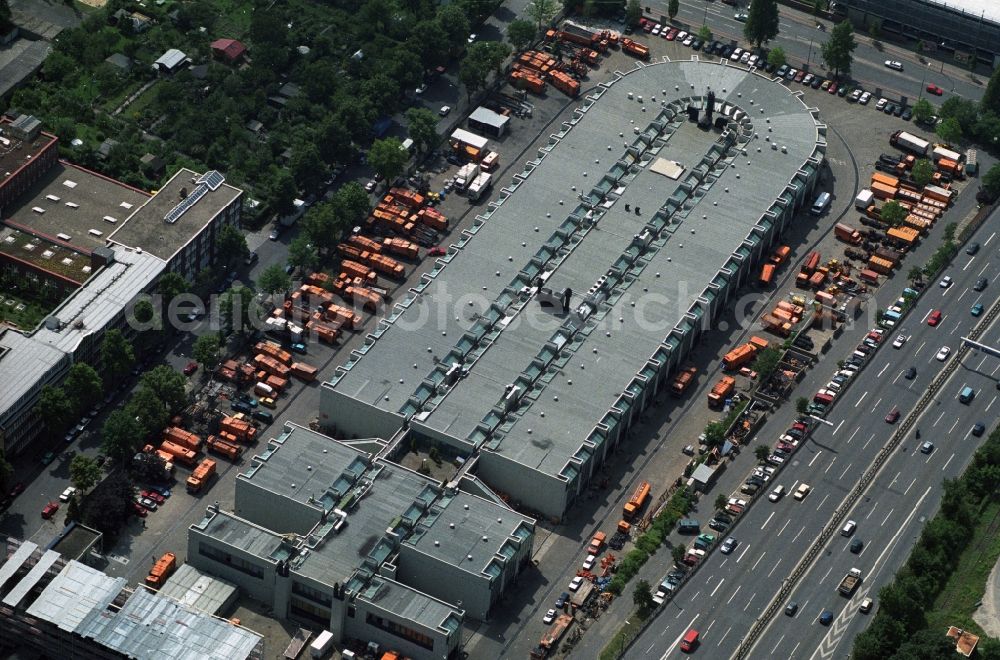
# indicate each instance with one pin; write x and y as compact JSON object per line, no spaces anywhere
{"x":25,"y":319}
{"x":957,"y":601}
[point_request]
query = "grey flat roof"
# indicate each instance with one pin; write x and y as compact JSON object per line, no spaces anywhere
{"x":410,"y":604}
{"x":73,"y":594}
{"x":239,"y":533}
{"x":76,"y":201}
{"x":192,"y":588}
{"x":23,"y":363}
{"x":554,"y":424}
{"x":148,"y":229}
{"x":467,"y":532}
{"x":20,"y":59}
{"x":149,"y":626}
{"x":19,"y":152}
{"x":32,"y":579}
{"x":487,"y":116}
{"x":988,"y":9}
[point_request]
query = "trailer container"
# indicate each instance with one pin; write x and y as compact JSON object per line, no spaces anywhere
{"x":883,"y":192}
{"x":180,"y":453}
{"x":869,"y":276}
{"x":766,"y":274}
{"x":637,"y":501}
{"x":182,"y":438}
{"x":780,"y":255}
{"x":273,"y":351}
{"x":401,"y":247}
{"x":847,"y":233}
{"x":354,"y":269}
{"x":864,"y":199}
{"x":909,"y":142}
{"x":224,"y":447}
{"x":682,"y":381}
{"x":304,"y":371}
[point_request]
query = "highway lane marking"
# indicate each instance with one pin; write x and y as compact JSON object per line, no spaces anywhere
{"x":869,"y":440}
{"x":984,"y":268}
{"x":872,"y":511}
{"x":724,"y":635}
{"x":992,"y":401}
{"x":734,"y":594}
{"x":925,"y":318}
{"x":876,"y":404}
{"x":750,"y":601}
{"x":886,"y":519}
{"x":921,"y":345}
{"x":948,"y":290}
{"x":881,"y":372}
{"x":783,"y":527}
{"x":754,"y":567}
{"x":742,"y":553}
{"x":677,"y":641}
{"x":768,"y":520}
{"x":823,"y":502}
{"x":774,"y":651}
{"x":853,"y":434}
{"x":861,"y":399}
{"x":969,"y":264}
{"x":845,"y":471}
{"x":995,"y":369}
{"x":896,"y":379}
{"x":823,"y":579}
{"x":794,"y":649}
{"x":775,"y":567}
{"x":815,"y":457}
{"x":830,"y":465}
{"x":949,"y":461}
{"x":721,"y":582}
{"x":709,"y":628}
{"x":894,"y":480}
{"x":836,"y":430}
{"x":798,"y":535}
{"x":953,"y":425}
{"x":981,"y":363}
{"x":910,"y":486}
{"x":987,"y":242}
{"x":938,"y":419}
{"x":929,"y":458}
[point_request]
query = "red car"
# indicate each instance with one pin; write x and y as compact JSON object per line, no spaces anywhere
{"x":436,"y":251}
{"x":934,"y":318}
{"x":190,"y":368}
{"x":50,"y":510}
{"x":16,"y":490}
{"x":934,"y":89}
{"x":671,"y":34}
{"x":153,"y":495}
{"x":893,"y":416}
{"x":139,"y":510}
{"x":833,"y":88}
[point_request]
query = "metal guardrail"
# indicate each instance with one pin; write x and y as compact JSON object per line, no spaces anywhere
{"x":834,"y":525}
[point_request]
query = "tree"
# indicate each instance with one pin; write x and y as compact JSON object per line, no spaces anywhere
{"x":324,"y":224}
{"x":168,"y":386}
{"x":237,"y":309}
{"x":715,"y":434}
{"x":455,"y":24}
{"x":838,"y":51}
{"x":767,"y":361}
{"x":705,"y":33}
{"x":231,"y":245}
{"x":109,"y":506}
{"x":206,"y":351}
{"x":149,"y":467}
{"x":673,"y":7}
{"x":143,"y":311}
{"x":274,"y":279}
{"x":149,"y":412}
{"x":642,"y":596}
{"x":55,"y":409}
{"x":473,"y":72}
{"x":949,"y":130}
{"x":964,"y":111}
{"x":84,"y":386}
{"x":991,"y":97}
{"x":761,"y":452}
{"x":117,"y":354}
{"x":542,"y":11}
{"x":677,"y":553}
{"x":422,"y":125}
{"x":302,"y":254}
{"x":893,"y":213}
{"x":991,"y":181}
{"x":916,"y":274}
{"x":122,"y":435}
{"x":84,"y":472}
{"x":923,"y":111}
{"x":874,"y":28}
{"x":633,"y":12}
{"x":923,"y":172}
{"x":720,"y":501}
{"x":388,"y":158}
{"x":352,"y":202}
{"x":170,"y":286}
{"x":801,"y":405}
{"x":280,"y":191}
{"x":776,"y":57}
{"x":520,"y":33}
{"x":762,"y":22}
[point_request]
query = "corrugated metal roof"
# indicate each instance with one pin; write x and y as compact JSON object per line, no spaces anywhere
{"x":192,"y":588}
{"x":73,"y":594}
{"x":33,"y":577}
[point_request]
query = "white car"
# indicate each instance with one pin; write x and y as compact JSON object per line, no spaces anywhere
{"x":741,"y":16}
{"x":856,"y":95}
{"x":445,"y":109}
{"x":866,"y":606}
{"x":472,"y":37}
{"x":945,"y":282}
{"x":894,"y":65}
{"x":899,"y":341}
{"x":575,"y":583}
{"x":729,"y":545}
{"x":833,"y":387}
{"x":745,"y":57}
{"x":881,"y":103}
{"x":689,"y":40}
{"x":802,"y":491}
{"x":943,"y":354}
{"x":656,"y":29}
{"x":865,"y":98}
{"x":589,"y":562}
{"x":681,"y":36}
{"x":735,"y":57}
{"x":777,"y":493}
{"x":549,"y":617}
{"x":68,"y":493}
{"x":420,"y":90}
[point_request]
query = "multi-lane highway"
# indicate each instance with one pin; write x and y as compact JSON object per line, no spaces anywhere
{"x":802,"y":42}
{"x":723,"y":600}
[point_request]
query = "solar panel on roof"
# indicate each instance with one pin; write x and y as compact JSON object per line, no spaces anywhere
{"x":175,"y":213}
{"x":213,"y":178}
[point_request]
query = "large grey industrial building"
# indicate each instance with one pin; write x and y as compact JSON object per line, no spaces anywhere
{"x":533,"y":345}
{"x":331,"y":535}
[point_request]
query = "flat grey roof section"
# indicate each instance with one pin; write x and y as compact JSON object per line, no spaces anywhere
{"x":12,"y":565}
{"x":23,"y":363}
{"x":34,"y":576}
{"x":192,"y":588}
{"x":466,"y":532}
{"x":72,"y":595}
{"x":20,"y":59}
{"x":149,"y":626}
{"x":148,"y":229}
{"x":988,"y":9}
{"x":75,"y":202}
{"x":103,"y":297}
{"x":393,"y":492}
{"x":239,"y":533}
{"x":410,"y":605}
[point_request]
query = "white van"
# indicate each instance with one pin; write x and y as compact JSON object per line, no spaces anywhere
{"x":822,"y":201}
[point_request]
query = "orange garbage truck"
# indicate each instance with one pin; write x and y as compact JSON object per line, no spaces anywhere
{"x":162,"y":569}
{"x":201,"y":475}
